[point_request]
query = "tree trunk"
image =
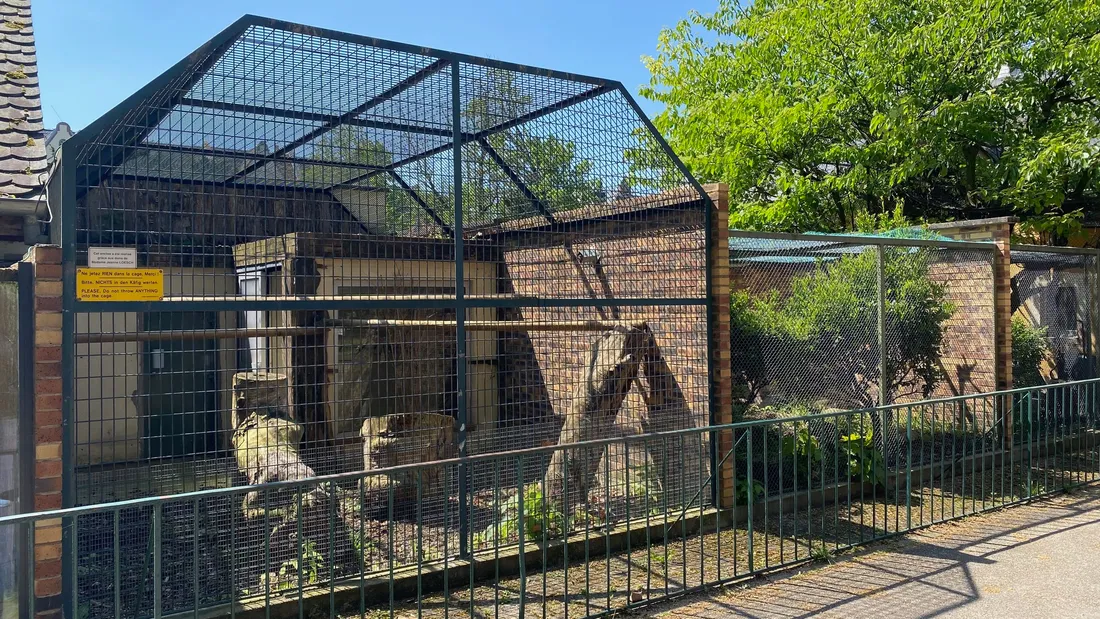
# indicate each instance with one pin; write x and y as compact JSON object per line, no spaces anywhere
{"x":265,"y":444}
{"x":402,"y":439}
{"x":680,"y":460}
{"x":611,"y":366}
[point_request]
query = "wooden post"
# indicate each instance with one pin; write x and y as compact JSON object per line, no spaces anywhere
{"x":307,"y":357}
{"x":258,"y":391}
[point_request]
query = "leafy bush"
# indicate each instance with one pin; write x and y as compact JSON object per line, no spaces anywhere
{"x":1029,"y":348}
{"x":865,"y":462}
{"x":743,"y":490}
{"x":803,"y":449}
{"x":539,"y":517}
{"x":821,"y":340}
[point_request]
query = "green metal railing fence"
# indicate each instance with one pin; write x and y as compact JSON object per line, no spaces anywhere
{"x":562,"y":533}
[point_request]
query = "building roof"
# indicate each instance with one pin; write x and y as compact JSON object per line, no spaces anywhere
{"x":22,"y":137}
{"x":814,"y":246}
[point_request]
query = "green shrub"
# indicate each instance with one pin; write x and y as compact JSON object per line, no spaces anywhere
{"x":803,"y":450}
{"x":865,"y":462}
{"x":821,"y":340}
{"x":1029,"y":348}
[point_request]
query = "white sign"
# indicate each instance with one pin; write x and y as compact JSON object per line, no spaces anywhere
{"x":112,"y":257}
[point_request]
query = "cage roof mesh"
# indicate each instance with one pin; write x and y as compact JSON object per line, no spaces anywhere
{"x":275,"y":105}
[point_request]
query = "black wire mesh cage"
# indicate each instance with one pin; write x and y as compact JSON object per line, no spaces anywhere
{"x":1053,"y":302}
{"x":372,"y":254}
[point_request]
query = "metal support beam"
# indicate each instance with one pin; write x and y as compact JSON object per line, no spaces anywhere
{"x":423,"y":205}
{"x":390,"y":93}
{"x":523,"y":188}
{"x":331,"y":119}
{"x":882,"y":417}
{"x":484,"y":133}
{"x":134,"y":131}
{"x":460,"y":316}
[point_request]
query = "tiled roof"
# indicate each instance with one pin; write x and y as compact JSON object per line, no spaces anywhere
{"x":22,"y":136}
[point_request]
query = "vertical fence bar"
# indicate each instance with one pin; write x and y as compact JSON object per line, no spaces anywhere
{"x":909,"y":470}
{"x":117,"y":564}
{"x":460,"y":313}
{"x":750,"y":515}
{"x":32,"y":603}
{"x":158,"y":578}
{"x":26,"y":428}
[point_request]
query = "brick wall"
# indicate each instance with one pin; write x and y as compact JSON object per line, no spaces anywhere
{"x":48,"y":426}
{"x":656,"y":253}
{"x":999,"y":231}
{"x":664,"y":266}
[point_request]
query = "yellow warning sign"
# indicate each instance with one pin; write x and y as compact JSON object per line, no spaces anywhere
{"x":119,"y":284}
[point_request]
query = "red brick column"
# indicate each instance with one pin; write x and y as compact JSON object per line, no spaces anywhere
{"x":999,"y":232}
{"x":1002,"y":309}
{"x":47,"y":424}
{"x":722,"y":380}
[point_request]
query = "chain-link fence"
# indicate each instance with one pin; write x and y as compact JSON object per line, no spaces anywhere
{"x":825,"y":322}
{"x":1054,"y":313}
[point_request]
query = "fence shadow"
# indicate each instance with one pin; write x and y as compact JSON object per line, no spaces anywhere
{"x":934,"y":570}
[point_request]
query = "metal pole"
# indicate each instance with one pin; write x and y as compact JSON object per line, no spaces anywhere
{"x":460,"y":312}
{"x":881,"y":302}
{"x":883,"y":398}
{"x":25,"y":428}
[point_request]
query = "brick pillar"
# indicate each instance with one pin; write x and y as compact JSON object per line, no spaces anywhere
{"x":999,"y":232}
{"x":47,"y":424}
{"x":722,"y":379}
{"x":1002,"y":311}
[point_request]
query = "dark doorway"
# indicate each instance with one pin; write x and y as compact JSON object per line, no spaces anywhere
{"x":180,"y":386}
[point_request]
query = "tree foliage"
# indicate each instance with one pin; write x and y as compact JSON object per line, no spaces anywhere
{"x":817,"y":110}
{"x":549,"y":166}
{"x":821,"y":339}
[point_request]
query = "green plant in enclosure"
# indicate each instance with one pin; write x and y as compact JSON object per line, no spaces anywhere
{"x":292,"y":573}
{"x":540,"y":518}
{"x":803,"y":449}
{"x":827,"y":328}
{"x":1029,"y":348}
{"x":743,"y":488}
{"x":864,"y":461}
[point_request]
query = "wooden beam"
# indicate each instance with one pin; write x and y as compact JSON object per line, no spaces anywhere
{"x":471,"y":325}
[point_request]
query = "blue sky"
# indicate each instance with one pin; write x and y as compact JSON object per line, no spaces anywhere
{"x":92,"y":54}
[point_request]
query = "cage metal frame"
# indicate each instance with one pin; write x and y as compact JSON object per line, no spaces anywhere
{"x":71,"y":176}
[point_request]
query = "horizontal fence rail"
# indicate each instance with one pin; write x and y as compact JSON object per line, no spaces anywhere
{"x":579,"y":530}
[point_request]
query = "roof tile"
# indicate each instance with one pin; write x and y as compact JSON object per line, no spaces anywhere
{"x":22,"y":135}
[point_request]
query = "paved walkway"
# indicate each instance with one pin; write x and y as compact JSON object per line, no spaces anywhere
{"x":1039,"y":560}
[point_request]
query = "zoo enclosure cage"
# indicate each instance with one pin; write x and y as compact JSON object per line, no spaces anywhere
{"x":1055,"y":289}
{"x":826,"y":322}
{"x":375,"y":254}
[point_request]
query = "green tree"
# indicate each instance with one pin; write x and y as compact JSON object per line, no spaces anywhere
{"x":558,"y":175}
{"x":351,"y":144}
{"x":817,"y":110}
{"x":821,"y":339}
